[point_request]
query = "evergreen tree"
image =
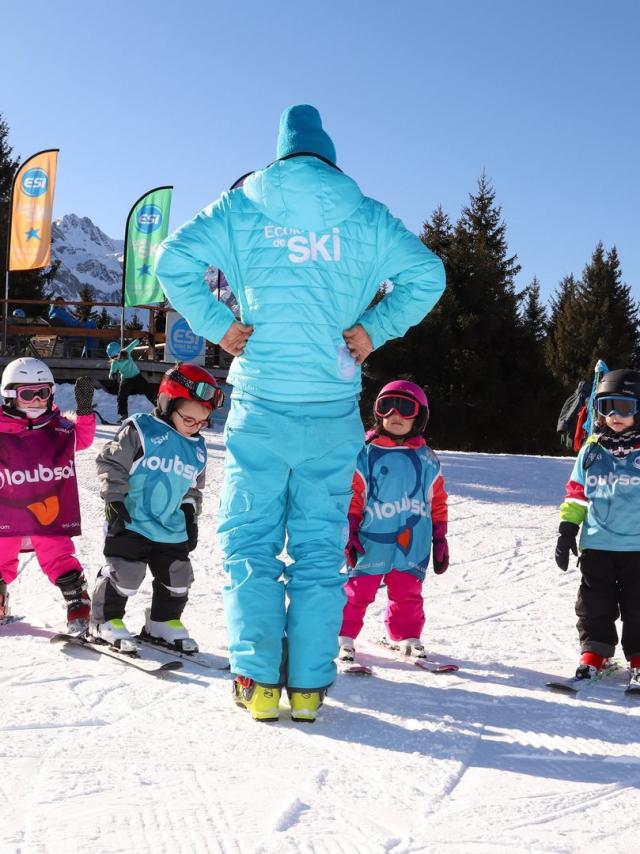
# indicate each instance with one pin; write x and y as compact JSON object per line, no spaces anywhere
{"x":475,"y":352}
{"x":594,"y":318}
{"x":29,"y":284}
{"x":104,"y":319}
{"x":533,"y":313}
{"x":87,"y":312}
{"x":134,"y":324}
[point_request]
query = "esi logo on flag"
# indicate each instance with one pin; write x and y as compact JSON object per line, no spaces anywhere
{"x":147,"y":227}
{"x":31,"y":212}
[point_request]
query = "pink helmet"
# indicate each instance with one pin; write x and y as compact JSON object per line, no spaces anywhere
{"x":404,"y":389}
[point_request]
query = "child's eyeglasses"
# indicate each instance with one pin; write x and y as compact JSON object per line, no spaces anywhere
{"x":188,"y":421}
{"x":406,"y":407}
{"x":29,"y":393}
{"x":625,"y":407}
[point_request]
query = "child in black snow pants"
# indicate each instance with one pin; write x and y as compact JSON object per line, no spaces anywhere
{"x":603,"y":495}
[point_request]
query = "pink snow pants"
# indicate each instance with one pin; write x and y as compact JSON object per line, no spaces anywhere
{"x":404,"y":617}
{"x":56,"y":555}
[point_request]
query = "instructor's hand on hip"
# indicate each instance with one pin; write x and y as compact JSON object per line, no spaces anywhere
{"x":236,"y":337}
{"x":358,"y":343}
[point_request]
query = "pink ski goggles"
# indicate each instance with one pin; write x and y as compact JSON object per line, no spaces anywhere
{"x":29,"y":393}
{"x":405,"y":406}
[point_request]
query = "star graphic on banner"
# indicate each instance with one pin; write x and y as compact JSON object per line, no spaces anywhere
{"x":33,"y":232}
{"x":145,"y":270}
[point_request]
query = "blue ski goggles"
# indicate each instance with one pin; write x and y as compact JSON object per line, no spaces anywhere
{"x":625,"y":407}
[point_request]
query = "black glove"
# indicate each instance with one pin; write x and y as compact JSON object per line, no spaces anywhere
{"x":117,"y":514}
{"x":84,"y":395}
{"x":566,"y":543}
{"x":192,"y":526}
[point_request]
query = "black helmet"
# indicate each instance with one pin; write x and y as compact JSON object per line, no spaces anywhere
{"x":622,"y":383}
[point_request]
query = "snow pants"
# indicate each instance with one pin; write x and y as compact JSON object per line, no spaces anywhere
{"x":288,"y":473}
{"x":404,"y":617}
{"x":133,"y":385}
{"x":128,"y":555}
{"x":610,"y":588}
{"x":56,"y":555}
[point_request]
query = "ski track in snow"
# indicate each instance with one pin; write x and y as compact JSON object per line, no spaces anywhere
{"x":98,"y":757}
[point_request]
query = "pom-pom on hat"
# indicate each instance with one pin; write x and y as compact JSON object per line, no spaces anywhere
{"x":301,"y":131}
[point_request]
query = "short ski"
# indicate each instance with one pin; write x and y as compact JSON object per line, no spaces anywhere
{"x":431,"y":665}
{"x":355,"y":668}
{"x":194,"y":657}
{"x":132,"y":659}
{"x":574,"y":686}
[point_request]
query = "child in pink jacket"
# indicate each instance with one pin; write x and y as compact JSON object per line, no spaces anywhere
{"x":39,"y":505}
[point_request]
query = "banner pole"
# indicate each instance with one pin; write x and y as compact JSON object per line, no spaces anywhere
{"x":6,"y":309}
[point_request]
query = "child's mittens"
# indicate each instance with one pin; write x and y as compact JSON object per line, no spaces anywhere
{"x":191,"y":524}
{"x":354,"y":547}
{"x":440,"y":548}
{"x":84,"y":395}
{"x":566,"y":543}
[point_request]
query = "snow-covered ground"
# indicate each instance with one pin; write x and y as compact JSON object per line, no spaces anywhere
{"x":98,"y":757}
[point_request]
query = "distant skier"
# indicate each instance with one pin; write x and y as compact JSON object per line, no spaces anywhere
{"x":39,"y":506}
{"x":603,"y":495}
{"x":398,"y":515}
{"x":151,"y":479}
{"x":304,"y":252}
{"x":131,"y":380}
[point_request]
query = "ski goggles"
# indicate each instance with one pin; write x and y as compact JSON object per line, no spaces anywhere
{"x":625,"y":407}
{"x":405,"y":406}
{"x":203,"y":391}
{"x":29,"y":393}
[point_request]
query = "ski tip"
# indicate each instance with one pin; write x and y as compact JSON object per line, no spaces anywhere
{"x":562,"y":688}
{"x":170,"y":665}
{"x":357,"y":670}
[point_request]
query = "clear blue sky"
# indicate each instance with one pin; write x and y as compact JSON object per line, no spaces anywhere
{"x":418,"y":96}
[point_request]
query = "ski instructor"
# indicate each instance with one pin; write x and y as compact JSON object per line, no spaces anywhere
{"x":303,"y":251}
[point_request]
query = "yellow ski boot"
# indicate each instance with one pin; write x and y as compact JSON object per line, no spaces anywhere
{"x":305,"y":705}
{"x":261,"y":700}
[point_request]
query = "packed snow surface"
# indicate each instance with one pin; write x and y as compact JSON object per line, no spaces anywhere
{"x":98,"y":757}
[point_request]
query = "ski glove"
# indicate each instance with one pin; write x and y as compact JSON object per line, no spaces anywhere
{"x":354,"y":547}
{"x":440,"y":548}
{"x":566,"y":543}
{"x":116,"y":514}
{"x":84,"y":395}
{"x":192,"y":526}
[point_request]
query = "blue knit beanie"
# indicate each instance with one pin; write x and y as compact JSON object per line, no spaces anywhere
{"x":301,"y":130}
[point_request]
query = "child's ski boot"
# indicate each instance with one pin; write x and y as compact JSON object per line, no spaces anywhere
{"x":169,"y":633}
{"x":347,"y":649}
{"x":262,"y":701}
{"x":591,"y":663}
{"x":305,"y":704}
{"x":115,"y":633}
{"x":412,"y":647}
{"x":74,"y":589}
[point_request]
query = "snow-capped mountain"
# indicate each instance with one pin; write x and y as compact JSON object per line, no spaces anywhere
{"x":87,"y":257}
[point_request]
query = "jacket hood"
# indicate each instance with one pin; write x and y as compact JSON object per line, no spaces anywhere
{"x":304,"y":193}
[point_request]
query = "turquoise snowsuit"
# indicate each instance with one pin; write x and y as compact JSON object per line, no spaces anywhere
{"x":304,"y":252}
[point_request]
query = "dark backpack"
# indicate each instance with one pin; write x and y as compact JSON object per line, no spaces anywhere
{"x":570,"y":412}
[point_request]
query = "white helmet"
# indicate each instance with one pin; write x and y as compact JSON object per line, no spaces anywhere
{"x":25,"y":371}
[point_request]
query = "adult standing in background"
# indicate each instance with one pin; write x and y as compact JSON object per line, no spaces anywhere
{"x":304,"y":252}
